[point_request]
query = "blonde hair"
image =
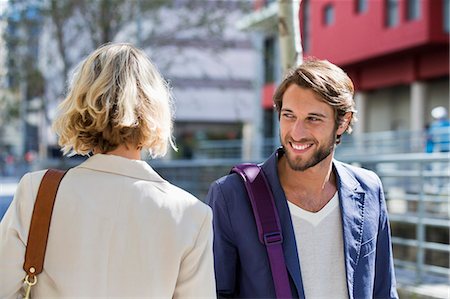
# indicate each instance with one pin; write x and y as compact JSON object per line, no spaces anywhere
{"x":116,"y":96}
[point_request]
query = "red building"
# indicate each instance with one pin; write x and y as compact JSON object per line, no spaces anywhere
{"x":395,"y":51}
{"x":379,"y":43}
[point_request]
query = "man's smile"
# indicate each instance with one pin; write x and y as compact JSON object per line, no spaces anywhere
{"x":300,"y":146}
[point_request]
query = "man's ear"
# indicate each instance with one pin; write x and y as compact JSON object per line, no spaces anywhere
{"x":345,"y":123}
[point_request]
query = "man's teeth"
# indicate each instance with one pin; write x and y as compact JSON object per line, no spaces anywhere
{"x":300,"y":147}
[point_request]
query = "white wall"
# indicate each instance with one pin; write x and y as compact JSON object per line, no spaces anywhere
{"x":213,"y":105}
{"x":387,"y":109}
{"x":181,"y":63}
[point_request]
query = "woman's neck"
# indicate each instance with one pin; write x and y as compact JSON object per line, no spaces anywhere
{"x":124,"y":151}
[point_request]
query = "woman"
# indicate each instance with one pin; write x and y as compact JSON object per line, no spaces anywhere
{"x":118,"y":229}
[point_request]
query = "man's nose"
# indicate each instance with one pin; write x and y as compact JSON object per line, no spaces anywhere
{"x":299,"y":131}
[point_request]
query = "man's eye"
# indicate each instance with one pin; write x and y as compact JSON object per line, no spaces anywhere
{"x":288,"y":115}
{"x":314,"y":119}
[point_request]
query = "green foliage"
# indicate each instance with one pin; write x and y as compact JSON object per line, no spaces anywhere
{"x":35,"y":83}
{"x":9,"y":106}
{"x":99,"y":22}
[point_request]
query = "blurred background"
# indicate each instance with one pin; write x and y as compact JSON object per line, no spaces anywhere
{"x":223,"y":59}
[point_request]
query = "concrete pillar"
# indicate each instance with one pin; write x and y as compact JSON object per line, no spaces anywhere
{"x":252,"y":131}
{"x":248,"y":132}
{"x":359,"y":127}
{"x":417,"y":107}
{"x":417,"y":115}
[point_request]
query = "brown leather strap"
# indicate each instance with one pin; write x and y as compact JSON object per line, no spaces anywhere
{"x":40,"y":221}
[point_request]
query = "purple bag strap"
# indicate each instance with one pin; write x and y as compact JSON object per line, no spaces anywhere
{"x":267,"y":223}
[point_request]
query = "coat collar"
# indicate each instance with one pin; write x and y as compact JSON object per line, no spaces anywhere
{"x":137,"y":169}
{"x":351,"y":199}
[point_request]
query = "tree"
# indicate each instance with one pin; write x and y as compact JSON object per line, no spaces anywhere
{"x":60,"y":12}
{"x":71,"y":29}
{"x":25,"y":79}
{"x":143,"y":21}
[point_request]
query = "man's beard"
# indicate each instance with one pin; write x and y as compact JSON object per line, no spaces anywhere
{"x":318,"y":156}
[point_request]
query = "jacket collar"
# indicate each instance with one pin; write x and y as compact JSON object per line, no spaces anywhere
{"x":137,"y":169}
{"x":351,"y":198}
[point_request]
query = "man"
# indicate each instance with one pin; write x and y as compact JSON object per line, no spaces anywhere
{"x":439,"y":130}
{"x":336,"y":235}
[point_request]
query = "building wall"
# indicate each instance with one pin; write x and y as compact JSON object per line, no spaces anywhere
{"x":357,"y":36}
{"x":211,"y":72}
{"x":384,"y":60}
{"x":377,"y":55}
{"x":387,"y":109}
{"x":213,"y":104}
{"x":400,"y":68}
{"x":213,"y":86}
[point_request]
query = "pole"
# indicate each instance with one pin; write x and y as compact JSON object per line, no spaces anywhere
{"x":289,"y":33}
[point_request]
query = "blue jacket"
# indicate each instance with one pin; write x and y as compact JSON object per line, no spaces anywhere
{"x":241,"y":263}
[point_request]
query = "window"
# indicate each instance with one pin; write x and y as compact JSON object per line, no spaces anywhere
{"x":392,"y":18}
{"x":268,"y":125}
{"x":446,"y":16}
{"x":306,"y":25}
{"x":329,"y":14}
{"x":269,"y":60}
{"x":413,"y":9}
{"x":361,"y":5}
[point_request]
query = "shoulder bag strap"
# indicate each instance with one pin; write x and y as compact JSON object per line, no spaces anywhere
{"x":267,"y":223}
{"x":40,"y":223}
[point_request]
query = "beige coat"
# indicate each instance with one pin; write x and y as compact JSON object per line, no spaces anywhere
{"x":118,"y":230}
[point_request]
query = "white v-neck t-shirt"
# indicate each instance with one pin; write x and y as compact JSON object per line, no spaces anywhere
{"x":321,"y":250}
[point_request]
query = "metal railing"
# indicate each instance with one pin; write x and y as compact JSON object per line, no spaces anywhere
{"x":194,"y":176}
{"x":375,"y":143}
{"x":417,"y":192}
{"x":417,"y":189}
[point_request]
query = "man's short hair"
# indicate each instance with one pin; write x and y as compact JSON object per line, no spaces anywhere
{"x":327,"y":80}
